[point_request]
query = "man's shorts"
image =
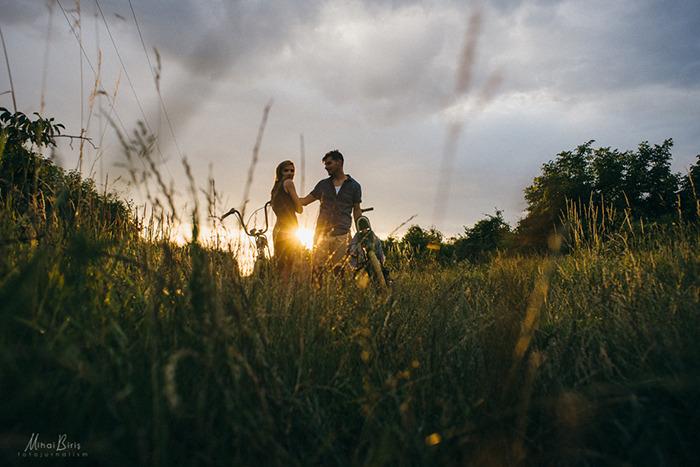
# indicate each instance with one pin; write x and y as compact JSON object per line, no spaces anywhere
{"x":330,"y":251}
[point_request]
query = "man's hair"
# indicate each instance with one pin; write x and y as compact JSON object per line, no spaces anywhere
{"x":335,"y":155}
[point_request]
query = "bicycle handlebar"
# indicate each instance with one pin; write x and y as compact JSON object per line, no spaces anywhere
{"x":252,"y":232}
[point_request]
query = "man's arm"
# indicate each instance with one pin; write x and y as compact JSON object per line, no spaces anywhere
{"x":356,"y":211}
{"x":357,"y":199}
{"x":308,"y":199}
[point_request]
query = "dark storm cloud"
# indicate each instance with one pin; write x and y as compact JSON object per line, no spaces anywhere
{"x":667,"y":34}
{"x":385,"y":58}
{"x":584,"y":50}
{"x":20,"y":12}
{"x":209,"y":37}
{"x":577,"y":47}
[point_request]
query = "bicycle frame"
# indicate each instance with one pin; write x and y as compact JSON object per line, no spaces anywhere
{"x":258,"y":235}
{"x":364,"y":230}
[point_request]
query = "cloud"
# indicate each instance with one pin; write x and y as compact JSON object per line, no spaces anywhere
{"x":576,"y":49}
{"x":25,"y":12}
{"x":383,"y":59}
{"x":388,"y":64}
{"x":208,"y":39}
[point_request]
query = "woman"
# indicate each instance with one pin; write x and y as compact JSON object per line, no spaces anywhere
{"x":286,"y":205}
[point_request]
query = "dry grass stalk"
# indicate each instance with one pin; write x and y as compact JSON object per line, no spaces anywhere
{"x":254,"y":162}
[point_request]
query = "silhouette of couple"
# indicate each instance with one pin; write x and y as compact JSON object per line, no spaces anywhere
{"x":340,"y":196}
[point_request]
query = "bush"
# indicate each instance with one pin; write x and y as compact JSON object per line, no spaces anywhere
{"x":39,"y":199}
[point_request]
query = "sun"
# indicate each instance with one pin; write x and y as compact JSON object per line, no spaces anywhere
{"x":306,"y":237}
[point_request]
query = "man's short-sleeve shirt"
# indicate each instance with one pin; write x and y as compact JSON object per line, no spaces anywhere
{"x":335,"y":213}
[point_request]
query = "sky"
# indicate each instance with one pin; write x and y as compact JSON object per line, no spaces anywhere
{"x":445,"y":110}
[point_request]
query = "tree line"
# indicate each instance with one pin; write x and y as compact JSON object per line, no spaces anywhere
{"x":633,"y":185}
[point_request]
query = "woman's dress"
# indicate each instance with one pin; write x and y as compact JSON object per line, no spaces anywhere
{"x":284,"y":233}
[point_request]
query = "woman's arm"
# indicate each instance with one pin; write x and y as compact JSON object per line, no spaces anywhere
{"x":289,"y":188}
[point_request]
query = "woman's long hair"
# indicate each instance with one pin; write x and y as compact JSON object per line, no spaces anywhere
{"x":278,"y":177}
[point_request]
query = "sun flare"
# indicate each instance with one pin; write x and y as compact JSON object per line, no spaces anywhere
{"x":306,"y":237}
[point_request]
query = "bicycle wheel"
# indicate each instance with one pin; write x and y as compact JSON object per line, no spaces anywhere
{"x":377,"y":268}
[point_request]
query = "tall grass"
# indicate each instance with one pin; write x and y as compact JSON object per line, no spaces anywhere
{"x":153,"y":353}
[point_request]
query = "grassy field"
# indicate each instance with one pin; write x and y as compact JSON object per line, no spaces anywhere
{"x":149,"y":353}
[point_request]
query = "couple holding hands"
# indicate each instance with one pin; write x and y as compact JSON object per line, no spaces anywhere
{"x":340,"y":196}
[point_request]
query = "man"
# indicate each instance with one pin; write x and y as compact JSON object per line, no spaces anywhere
{"x":340,"y":197}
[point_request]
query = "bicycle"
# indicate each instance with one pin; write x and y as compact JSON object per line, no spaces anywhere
{"x":367,"y":248}
{"x":261,"y":243}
